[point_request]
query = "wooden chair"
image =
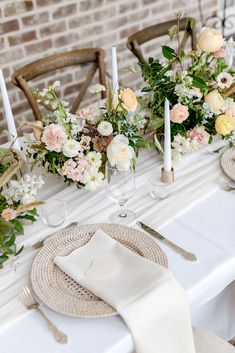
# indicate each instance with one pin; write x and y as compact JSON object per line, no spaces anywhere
{"x":159,"y":30}
{"x":95,"y":56}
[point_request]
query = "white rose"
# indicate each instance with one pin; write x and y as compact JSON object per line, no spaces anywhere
{"x":105,"y":128}
{"x":95,"y":159}
{"x":210,"y":40}
{"x":215,"y":101}
{"x":119,"y":152}
{"x":71,"y":148}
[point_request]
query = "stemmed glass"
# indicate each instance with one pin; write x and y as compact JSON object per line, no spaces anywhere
{"x":120,"y":187}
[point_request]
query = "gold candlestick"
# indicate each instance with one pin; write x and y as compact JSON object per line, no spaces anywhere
{"x":167,"y":177}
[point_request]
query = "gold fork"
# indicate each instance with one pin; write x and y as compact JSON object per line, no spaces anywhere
{"x":39,"y":244}
{"x":223,"y":183}
{"x":30,"y":303}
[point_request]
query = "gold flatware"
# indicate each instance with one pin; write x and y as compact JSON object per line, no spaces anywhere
{"x":186,"y":254}
{"x":39,"y":244}
{"x":30,"y":303}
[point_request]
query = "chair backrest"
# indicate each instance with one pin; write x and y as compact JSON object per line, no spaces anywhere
{"x":159,"y":30}
{"x":94,"y":56}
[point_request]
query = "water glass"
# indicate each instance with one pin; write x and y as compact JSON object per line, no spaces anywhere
{"x":54,"y":212}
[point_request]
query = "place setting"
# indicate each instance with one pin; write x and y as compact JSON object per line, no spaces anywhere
{"x":142,"y":183}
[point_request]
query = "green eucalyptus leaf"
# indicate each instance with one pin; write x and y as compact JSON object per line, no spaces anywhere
{"x":155,"y":124}
{"x":199,"y":83}
{"x":157,"y":144}
{"x":18,"y":227}
{"x":172,"y":31}
{"x":5,"y":227}
{"x":168,"y":52}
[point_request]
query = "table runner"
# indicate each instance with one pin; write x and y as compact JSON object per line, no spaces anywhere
{"x":195,"y":177}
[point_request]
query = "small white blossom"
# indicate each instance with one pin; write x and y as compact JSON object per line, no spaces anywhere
{"x":181,"y":144}
{"x":94,"y":159}
{"x":23,"y":190}
{"x":105,"y":128}
{"x":56,"y":84}
{"x":224,"y":80}
{"x":71,"y":148}
{"x":92,"y":179}
{"x":96,"y":88}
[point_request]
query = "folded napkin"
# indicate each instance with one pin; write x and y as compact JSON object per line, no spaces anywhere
{"x":150,"y":301}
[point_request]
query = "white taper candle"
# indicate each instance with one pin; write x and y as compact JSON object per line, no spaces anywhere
{"x":115,"y":85}
{"x":8,"y":113}
{"x":167,"y":138}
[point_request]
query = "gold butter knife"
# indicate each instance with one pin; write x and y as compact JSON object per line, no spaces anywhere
{"x":186,"y":254}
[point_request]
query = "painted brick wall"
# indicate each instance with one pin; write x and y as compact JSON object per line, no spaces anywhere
{"x":32,"y":29}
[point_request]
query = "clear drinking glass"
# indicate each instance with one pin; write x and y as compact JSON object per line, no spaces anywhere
{"x":120,"y":187}
{"x":54,"y":212}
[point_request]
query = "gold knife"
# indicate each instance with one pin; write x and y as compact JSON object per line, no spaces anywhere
{"x":186,"y":254}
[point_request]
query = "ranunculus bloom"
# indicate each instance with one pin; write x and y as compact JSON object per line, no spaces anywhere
{"x":119,"y":152}
{"x":215,"y":101}
{"x":224,"y":124}
{"x":8,"y":214}
{"x":129,"y":100}
{"x":54,"y":137}
{"x":210,"y":40}
{"x":221,"y":53}
{"x":179,"y":113}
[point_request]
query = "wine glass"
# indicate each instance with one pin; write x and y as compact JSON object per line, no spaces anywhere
{"x":120,"y":187}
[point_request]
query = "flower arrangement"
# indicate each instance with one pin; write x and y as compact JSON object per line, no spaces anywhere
{"x":200,"y":88}
{"x":76,"y":146}
{"x":17,"y":202}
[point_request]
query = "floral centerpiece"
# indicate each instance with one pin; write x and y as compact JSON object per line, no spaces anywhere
{"x":200,"y":88}
{"x":76,"y":146}
{"x":17,"y":202}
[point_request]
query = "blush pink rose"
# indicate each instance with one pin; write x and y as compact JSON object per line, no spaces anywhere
{"x":179,"y":113}
{"x":221,"y":53}
{"x":54,"y":137}
{"x":8,"y":214}
{"x":199,"y":134}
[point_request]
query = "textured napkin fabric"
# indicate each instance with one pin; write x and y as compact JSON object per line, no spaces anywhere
{"x":150,"y":301}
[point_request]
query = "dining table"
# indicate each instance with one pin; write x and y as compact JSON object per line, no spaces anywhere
{"x":198,"y":215}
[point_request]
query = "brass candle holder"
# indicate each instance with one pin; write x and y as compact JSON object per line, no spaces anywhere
{"x":167,"y":177}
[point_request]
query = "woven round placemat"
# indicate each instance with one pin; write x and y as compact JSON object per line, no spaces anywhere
{"x":60,"y":292}
{"x":228,"y":163}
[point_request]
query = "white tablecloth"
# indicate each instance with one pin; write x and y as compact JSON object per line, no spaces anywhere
{"x":198,"y":215}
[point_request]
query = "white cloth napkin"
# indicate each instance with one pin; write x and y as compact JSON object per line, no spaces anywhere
{"x":148,"y":298}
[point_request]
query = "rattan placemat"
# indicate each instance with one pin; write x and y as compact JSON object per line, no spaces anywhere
{"x":60,"y":292}
{"x":228,"y":163}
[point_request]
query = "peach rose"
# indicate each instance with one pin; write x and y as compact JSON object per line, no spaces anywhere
{"x":179,"y":113}
{"x":129,"y":100}
{"x":224,"y":124}
{"x":215,"y":101}
{"x":210,"y":40}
